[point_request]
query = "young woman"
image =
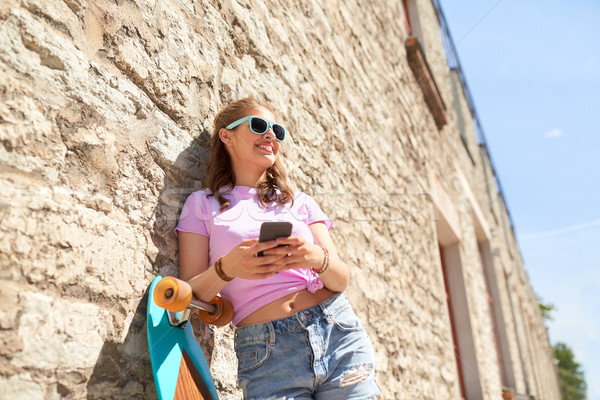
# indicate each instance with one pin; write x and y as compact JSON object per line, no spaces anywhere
{"x":296,"y":335}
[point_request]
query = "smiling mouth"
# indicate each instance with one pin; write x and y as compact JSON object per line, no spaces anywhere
{"x":265,"y":147}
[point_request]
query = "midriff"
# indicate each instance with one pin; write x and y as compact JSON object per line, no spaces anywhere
{"x":286,"y":306}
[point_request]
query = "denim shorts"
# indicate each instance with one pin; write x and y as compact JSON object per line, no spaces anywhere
{"x":319,"y":353}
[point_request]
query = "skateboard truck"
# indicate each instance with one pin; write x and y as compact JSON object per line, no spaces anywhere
{"x":179,"y":319}
{"x":175,"y":296}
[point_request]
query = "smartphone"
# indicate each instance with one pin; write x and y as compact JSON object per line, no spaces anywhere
{"x":273,"y":230}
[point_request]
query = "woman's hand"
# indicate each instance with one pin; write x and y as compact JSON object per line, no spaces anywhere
{"x":300,"y":253}
{"x":297,"y":253}
{"x":242,"y":262}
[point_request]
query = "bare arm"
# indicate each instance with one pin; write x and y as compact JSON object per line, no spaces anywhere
{"x":337,"y":276}
{"x":194,"y":268}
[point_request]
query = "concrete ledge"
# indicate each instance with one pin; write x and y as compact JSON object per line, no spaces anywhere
{"x":424,"y":77}
{"x":508,"y":394}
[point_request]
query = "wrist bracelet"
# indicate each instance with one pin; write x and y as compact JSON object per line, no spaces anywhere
{"x":219,"y":270}
{"x":325,"y":262}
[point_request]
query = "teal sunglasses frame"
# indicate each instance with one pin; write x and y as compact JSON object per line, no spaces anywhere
{"x":269,"y":125}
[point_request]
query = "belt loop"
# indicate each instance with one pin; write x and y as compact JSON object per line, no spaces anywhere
{"x":323,"y":307}
{"x":298,"y":317}
{"x":328,"y":307}
{"x":271,"y":333}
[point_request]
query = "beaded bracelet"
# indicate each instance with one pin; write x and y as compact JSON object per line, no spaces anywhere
{"x":219,"y":270}
{"x":325,"y":262}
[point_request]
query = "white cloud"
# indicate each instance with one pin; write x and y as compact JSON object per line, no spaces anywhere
{"x":553,"y":133}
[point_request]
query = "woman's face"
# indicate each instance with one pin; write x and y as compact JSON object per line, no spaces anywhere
{"x":249,"y":149}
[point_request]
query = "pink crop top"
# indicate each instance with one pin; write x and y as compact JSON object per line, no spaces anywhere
{"x":242,"y":220}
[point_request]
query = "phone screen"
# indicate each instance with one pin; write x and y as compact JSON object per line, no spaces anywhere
{"x":273,"y":230}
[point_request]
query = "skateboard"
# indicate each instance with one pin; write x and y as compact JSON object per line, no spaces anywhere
{"x":178,"y":363}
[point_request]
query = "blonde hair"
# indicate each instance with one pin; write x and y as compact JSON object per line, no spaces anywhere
{"x":220,"y":172}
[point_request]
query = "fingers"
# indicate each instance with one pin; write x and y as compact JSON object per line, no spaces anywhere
{"x":257,"y":246}
{"x":268,"y":266}
{"x":282,"y":253}
{"x":245,"y":264}
{"x":285,"y":245}
{"x":261,"y":246}
{"x":288,"y":250}
{"x":297,"y":253}
{"x":291,"y":240}
{"x":248,"y":242}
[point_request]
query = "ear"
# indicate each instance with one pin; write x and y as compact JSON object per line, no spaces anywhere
{"x":225,"y":137}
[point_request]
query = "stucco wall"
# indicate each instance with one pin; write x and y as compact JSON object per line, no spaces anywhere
{"x":105,"y":113}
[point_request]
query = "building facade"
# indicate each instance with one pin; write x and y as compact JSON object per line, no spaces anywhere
{"x":105,"y":114}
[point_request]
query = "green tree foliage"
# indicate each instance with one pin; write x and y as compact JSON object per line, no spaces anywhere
{"x":546,"y":309}
{"x":570,"y":374}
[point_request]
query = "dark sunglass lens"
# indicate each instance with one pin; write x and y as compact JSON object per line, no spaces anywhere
{"x":258,"y":125}
{"x":279,"y":132}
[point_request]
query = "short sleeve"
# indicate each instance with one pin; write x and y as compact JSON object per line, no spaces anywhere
{"x":314,"y":212}
{"x":194,"y":215}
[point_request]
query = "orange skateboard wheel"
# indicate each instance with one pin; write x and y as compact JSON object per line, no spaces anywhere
{"x":222,"y":314}
{"x":172,"y":294}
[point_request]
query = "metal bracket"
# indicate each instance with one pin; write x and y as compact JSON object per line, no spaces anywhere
{"x":179,"y":319}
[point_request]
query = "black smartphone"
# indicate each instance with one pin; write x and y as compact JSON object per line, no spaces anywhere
{"x":273,"y":230}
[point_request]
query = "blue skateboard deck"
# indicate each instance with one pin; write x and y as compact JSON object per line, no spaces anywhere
{"x":178,"y":363}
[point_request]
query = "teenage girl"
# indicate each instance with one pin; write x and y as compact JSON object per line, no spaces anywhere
{"x":296,"y":335}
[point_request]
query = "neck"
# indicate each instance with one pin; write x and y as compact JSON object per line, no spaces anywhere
{"x":248,"y":177}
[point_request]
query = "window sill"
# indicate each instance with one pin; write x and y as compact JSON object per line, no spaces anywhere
{"x":422,"y":73}
{"x":508,"y":394}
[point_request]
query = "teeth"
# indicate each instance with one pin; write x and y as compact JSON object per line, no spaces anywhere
{"x":264,"y":147}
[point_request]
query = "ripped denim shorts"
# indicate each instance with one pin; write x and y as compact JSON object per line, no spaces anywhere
{"x":320,"y":353}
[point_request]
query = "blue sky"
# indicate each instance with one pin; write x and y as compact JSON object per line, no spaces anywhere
{"x":533,"y":68}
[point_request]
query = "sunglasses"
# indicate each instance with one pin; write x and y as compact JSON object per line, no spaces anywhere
{"x":260,"y":126}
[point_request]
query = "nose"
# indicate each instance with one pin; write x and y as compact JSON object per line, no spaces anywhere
{"x":269,"y":133}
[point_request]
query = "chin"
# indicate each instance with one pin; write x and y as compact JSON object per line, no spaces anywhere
{"x":270,"y":164}
{"x":272,"y":161}
{"x":265,"y":162}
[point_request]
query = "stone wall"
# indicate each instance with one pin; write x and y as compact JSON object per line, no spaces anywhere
{"x":105,"y":114}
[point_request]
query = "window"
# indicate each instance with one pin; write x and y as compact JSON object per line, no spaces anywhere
{"x":419,"y":66}
{"x":460,"y":119}
{"x":457,"y":357}
{"x":411,"y":19}
{"x":497,"y":317}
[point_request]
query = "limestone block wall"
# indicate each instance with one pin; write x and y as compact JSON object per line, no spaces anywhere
{"x":105,"y":114}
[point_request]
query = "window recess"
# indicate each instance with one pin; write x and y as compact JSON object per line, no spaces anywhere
{"x":419,"y":66}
